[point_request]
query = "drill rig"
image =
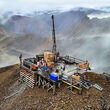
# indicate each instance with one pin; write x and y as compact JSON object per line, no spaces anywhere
{"x":50,"y":69}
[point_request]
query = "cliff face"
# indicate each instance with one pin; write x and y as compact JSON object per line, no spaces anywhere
{"x":16,"y":96}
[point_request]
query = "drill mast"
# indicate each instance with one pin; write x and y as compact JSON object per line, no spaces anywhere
{"x":53,"y":36}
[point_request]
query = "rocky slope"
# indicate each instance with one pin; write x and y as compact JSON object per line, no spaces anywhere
{"x":41,"y":24}
{"x":11,"y":46}
{"x":40,"y":99}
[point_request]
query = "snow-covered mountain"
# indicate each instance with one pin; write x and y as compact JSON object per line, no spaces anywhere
{"x":4,"y":16}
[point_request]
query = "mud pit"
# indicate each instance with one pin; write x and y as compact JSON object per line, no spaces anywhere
{"x":40,"y":99}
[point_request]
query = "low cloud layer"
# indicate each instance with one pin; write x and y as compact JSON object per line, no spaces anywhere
{"x":94,"y":48}
{"x":6,"y":59}
{"x":99,"y":16}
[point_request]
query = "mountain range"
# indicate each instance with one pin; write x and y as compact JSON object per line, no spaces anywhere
{"x":76,"y":34}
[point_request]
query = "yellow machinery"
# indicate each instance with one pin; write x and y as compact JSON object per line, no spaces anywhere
{"x":49,"y":58}
{"x":77,"y":77}
{"x":83,"y":65}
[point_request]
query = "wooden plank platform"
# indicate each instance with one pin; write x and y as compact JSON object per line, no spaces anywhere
{"x":32,"y":78}
{"x":80,"y":89}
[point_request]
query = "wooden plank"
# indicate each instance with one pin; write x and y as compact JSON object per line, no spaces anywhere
{"x":72,"y":85}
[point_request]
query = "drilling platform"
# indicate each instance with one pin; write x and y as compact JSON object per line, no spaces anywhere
{"x":50,"y":70}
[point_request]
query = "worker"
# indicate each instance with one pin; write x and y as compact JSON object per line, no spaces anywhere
{"x":57,"y":55}
{"x":20,"y":58}
{"x":42,"y":63}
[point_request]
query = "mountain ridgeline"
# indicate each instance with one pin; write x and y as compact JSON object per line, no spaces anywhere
{"x":76,"y":35}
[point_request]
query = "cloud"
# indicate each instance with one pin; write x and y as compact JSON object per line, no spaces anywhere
{"x":99,"y":16}
{"x":29,"y":5}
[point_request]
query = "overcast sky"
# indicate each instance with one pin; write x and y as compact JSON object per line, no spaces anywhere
{"x":30,"y":5}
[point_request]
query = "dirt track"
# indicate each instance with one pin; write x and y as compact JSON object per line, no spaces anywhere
{"x":40,"y":99}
